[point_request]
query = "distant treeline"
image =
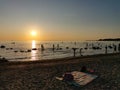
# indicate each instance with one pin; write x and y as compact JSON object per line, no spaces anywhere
{"x":109,"y":39}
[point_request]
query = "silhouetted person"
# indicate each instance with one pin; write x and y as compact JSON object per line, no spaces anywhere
{"x":106,"y":49}
{"x":83,"y":69}
{"x":67,"y":47}
{"x":110,"y":46}
{"x":115,"y":48}
{"x":119,"y":47}
{"x":81,"y":51}
{"x":42,"y":47}
{"x":58,"y":47}
{"x":2,"y":46}
{"x":68,"y":77}
{"x":74,"y":51}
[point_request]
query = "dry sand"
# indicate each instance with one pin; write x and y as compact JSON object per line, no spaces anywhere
{"x":40,"y":75}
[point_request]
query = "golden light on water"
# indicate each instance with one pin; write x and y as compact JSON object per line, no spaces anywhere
{"x":33,"y":44}
{"x":33,"y":53}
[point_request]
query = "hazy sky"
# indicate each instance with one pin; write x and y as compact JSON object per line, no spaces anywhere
{"x":59,"y":19}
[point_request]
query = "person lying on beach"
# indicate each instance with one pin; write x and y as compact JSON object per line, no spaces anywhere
{"x":85,"y":69}
{"x":68,"y":77}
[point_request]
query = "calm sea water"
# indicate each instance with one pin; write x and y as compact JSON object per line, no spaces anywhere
{"x":22,"y":51}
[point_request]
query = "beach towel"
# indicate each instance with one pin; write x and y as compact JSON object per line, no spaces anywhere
{"x":80,"y":78}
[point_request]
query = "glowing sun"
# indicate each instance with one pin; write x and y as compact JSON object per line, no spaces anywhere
{"x":33,"y":33}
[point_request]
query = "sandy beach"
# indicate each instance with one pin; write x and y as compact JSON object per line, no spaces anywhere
{"x":40,"y":75}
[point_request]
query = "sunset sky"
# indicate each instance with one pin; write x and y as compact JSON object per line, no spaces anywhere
{"x":59,"y":19}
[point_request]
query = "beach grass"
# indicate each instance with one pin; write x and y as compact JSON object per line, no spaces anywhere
{"x":40,"y":75}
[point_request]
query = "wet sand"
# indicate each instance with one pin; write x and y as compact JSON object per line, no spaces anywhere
{"x":40,"y":75}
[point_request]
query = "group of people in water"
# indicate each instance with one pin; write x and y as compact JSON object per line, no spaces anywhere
{"x":98,"y":47}
{"x":90,"y":46}
{"x":114,"y":48}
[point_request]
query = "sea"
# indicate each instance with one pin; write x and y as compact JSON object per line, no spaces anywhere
{"x":41,"y":50}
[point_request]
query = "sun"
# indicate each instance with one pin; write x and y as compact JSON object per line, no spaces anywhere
{"x":33,"y":33}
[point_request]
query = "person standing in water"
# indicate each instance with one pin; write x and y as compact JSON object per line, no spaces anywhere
{"x":106,"y":49}
{"x":119,"y":47}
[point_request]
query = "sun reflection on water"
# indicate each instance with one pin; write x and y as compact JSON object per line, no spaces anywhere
{"x":33,"y":52}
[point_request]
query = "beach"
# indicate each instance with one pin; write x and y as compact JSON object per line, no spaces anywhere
{"x":59,"y":45}
{"x":40,"y":75}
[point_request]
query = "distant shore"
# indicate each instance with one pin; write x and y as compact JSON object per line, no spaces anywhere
{"x":110,"y":39}
{"x":40,"y":75}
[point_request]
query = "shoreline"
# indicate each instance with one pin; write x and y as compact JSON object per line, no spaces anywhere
{"x":59,"y":59}
{"x":53,"y":62}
